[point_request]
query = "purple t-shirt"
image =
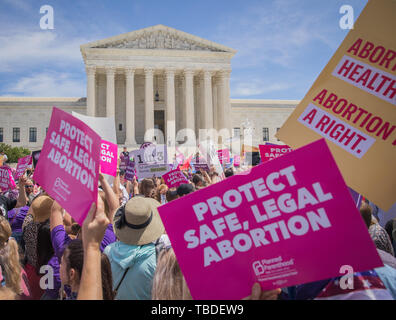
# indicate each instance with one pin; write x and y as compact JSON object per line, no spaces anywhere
{"x":60,"y":239}
{"x":16,"y":217}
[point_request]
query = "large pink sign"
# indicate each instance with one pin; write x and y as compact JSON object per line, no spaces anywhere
{"x":289,"y":221}
{"x":23,"y":163}
{"x":7,"y":181}
{"x":174,"y":178}
{"x":108,"y":158}
{"x":269,"y":152}
{"x":69,"y":164}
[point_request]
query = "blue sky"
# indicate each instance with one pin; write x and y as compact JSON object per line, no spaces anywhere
{"x":282,"y":44}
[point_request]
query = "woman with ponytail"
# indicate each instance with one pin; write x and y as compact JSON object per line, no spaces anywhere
{"x":14,"y":276}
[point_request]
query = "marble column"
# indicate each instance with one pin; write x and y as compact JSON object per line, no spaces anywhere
{"x":91,"y":70}
{"x":170,"y":107}
{"x":221,"y":102}
{"x":130,"y":106}
{"x":227,"y":101}
{"x":110,"y":95}
{"x":149,"y":99}
{"x":189,"y":98}
{"x":207,"y":100}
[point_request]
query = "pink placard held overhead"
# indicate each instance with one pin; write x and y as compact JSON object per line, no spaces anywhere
{"x":69,"y":164}
{"x":269,"y":152}
{"x":174,"y":178}
{"x":7,"y":181}
{"x":287,"y":222}
{"x":23,"y":163}
{"x":237,"y":160}
{"x":108,"y":158}
{"x":224,"y":156}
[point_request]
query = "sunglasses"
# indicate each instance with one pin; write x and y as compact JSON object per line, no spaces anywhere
{"x":27,"y":187}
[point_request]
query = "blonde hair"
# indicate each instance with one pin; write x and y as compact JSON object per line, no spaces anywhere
{"x":9,"y":257}
{"x":168,"y":281}
{"x":7,"y":294}
{"x":159,"y":189}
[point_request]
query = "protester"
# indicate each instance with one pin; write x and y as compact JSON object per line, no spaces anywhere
{"x":133,"y":259}
{"x":3,"y":158}
{"x":390,"y":228}
{"x":125,"y":153}
{"x":171,"y":195}
{"x":161,"y":193}
{"x":229,"y":172}
{"x":147,"y":188}
{"x":198,"y":181}
{"x":377,"y":233}
{"x":13,"y":275}
{"x":185,"y":189}
{"x":29,"y":246}
{"x":93,"y":230}
{"x":169,"y":282}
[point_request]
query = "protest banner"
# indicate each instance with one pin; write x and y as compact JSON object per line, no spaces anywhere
{"x":174,"y":178}
{"x":108,"y":158}
{"x":352,"y":105}
{"x":130,"y":170}
{"x":7,"y":181}
{"x":103,"y":126}
{"x":151,"y":161}
{"x":199,"y":163}
{"x":265,"y":227}
{"x":69,"y":164}
{"x":224,"y":156}
{"x":269,"y":152}
{"x":209,"y":152}
{"x":23,"y":164}
{"x":35,"y":157}
{"x":123,"y":162}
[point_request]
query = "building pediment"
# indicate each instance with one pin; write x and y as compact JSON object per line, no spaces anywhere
{"x":158,"y":37}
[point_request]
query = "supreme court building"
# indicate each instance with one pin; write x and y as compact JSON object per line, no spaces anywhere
{"x":146,"y":79}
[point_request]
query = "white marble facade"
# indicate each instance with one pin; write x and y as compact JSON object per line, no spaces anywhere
{"x":149,"y":77}
{"x":144,"y":79}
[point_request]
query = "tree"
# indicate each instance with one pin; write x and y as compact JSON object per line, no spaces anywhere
{"x":13,"y":153}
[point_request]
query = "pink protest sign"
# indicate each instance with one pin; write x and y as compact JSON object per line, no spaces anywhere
{"x":108,"y":158}
{"x":7,"y":181}
{"x":174,"y":178}
{"x":269,"y":152}
{"x":23,"y":163}
{"x":289,"y":221}
{"x":130,"y":170}
{"x":237,"y":160}
{"x":124,"y":162}
{"x":69,"y":164}
{"x":224,"y":156}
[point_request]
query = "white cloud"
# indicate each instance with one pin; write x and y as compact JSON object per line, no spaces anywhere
{"x":48,"y":84}
{"x":22,"y":50}
{"x":273,"y":32}
{"x":255,"y":87}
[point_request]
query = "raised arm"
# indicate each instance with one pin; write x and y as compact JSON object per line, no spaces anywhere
{"x":22,"y":198}
{"x":93,"y":231}
{"x":56,"y":218}
{"x":111,"y":197}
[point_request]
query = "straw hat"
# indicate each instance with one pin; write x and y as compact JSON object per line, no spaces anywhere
{"x":138,"y":221}
{"x":41,"y":207}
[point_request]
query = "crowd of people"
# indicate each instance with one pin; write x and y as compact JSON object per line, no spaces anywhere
{"x":122,"y":252}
